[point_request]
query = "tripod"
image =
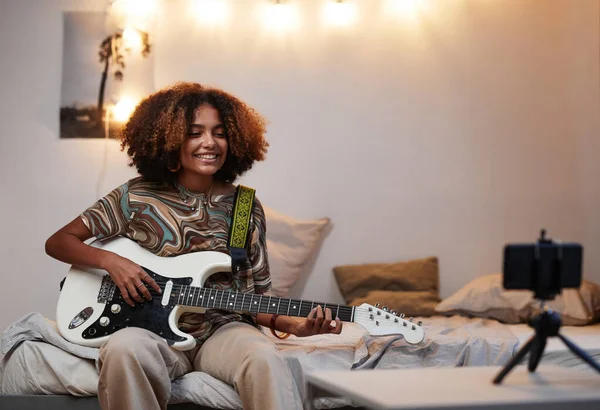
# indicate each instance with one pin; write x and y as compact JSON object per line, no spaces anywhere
{"x":546,"y":324}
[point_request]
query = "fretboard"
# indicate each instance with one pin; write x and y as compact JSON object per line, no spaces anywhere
{"x":253,"y":303}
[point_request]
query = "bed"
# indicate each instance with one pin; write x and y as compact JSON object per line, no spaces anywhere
{"x":479,"y":325}
{"x":38,"y":374}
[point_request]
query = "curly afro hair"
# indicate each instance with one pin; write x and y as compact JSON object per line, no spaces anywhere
{"x":159,"y":125}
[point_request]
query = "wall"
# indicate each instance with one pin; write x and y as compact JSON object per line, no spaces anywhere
{"x":449,"y":131}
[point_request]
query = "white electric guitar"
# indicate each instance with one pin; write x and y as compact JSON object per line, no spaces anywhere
{"x":90,"y":307}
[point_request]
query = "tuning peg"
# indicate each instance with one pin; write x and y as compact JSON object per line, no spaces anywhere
{"x":401,"y":315}
{"x":393,"y":312}
{"x":410,"y":319}
{"x":377,"y":305}
{"x":385,"y":308}
{"x":419,"y":323}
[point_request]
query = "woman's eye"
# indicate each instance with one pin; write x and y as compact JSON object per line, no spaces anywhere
{"x":220,"y":135}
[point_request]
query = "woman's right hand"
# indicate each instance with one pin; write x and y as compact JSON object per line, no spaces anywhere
{"x":131,"y":279}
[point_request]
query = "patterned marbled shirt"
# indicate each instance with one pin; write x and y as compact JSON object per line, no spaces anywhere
{"x":170,"y":220}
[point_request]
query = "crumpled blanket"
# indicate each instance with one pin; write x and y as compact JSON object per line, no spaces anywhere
{"x":38,"y":338}
{"x":34,"y":326}
{"x":449,"y":342}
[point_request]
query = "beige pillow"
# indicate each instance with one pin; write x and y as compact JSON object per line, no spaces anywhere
{"x":486,"y":297}
{"x":356,"y":281}
{"x":290,"y":245}
{"x":411,"y":303}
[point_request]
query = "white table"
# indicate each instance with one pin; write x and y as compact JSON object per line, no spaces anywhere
{"x":548,"y":388}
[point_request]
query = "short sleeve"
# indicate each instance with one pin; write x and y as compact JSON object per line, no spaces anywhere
{"x":259,"y":260}
{"x":110,"y":215}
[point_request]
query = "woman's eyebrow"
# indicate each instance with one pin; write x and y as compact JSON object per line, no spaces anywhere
{"x":219,"y":125}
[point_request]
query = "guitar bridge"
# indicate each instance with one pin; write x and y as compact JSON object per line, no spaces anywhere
{"x":107,"y":289}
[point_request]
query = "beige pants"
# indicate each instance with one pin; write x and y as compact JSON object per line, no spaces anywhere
{"x":137,"y":368}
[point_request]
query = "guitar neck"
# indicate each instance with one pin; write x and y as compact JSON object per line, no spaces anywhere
{"x":253,"y":303}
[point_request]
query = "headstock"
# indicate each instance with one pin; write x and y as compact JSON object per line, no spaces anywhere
{"x":381,"y":321}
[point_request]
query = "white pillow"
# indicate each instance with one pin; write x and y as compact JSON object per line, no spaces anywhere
{"x":486,"y":297}
{"x":290,"y":245}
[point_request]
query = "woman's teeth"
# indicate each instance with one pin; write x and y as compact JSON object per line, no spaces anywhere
{"x":206,"y":156}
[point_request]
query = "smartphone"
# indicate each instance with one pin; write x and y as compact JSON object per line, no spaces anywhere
{"x":544,"y":267}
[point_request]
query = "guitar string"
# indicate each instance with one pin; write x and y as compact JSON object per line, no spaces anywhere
{"x":358,"y":312}
{"x":177,"y":288}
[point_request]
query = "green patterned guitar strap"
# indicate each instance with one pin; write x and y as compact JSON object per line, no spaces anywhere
{"x":239,"y":234}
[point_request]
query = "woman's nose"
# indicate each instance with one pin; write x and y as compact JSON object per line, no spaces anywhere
{"x":208,"y":140}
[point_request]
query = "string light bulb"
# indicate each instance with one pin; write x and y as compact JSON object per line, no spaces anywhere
{"x":131,"y":13}
{"x":280,"y":15}
{"x":339,"y":13}
{"x":132,"y":39}
{"x":123,"y":109}
{"x":211,"y":11}
{"x":406,"y":8}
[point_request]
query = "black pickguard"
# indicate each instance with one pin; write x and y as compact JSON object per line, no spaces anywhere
{"x":150,"y":315}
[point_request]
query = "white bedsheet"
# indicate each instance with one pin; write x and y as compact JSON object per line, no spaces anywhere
{"x":39,"y":361}
{"x":37,"y":367}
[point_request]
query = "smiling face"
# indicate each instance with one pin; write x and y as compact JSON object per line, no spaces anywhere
{"x":204,"y":150}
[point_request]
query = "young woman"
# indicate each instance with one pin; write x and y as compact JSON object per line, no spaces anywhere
{"x":189,"y":143}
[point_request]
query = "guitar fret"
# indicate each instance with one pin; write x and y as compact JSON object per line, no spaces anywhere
{"x":190,"y":296}
{"x":257,"y":303}
{"x":243,"y":300}
{"x":221,"y":300}
{"x":278,"y":304}
{"x":182,"y":294}
{"x":289,"y":304}
{"x":198,"y":297}
{"x":293,"y":305}
{"x":209,"y":297}
{"x":251,"y":303}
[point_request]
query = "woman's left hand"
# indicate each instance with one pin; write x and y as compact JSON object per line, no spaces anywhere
{"x":318,"y":322}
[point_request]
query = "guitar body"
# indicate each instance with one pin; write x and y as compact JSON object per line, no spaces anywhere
{"x":90,"y":307}
{"x":82,"y":319}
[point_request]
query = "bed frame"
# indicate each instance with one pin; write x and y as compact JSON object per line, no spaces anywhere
{"x":61,"y":402}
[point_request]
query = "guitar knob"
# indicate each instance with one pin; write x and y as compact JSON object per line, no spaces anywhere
{"x":104,"y":321}
{"x":115,"y":308}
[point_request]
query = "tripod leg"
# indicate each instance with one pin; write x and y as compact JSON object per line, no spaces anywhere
{"x":514,"y":361}
{"x":579,"y":352}
{"x":537,"y":349}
